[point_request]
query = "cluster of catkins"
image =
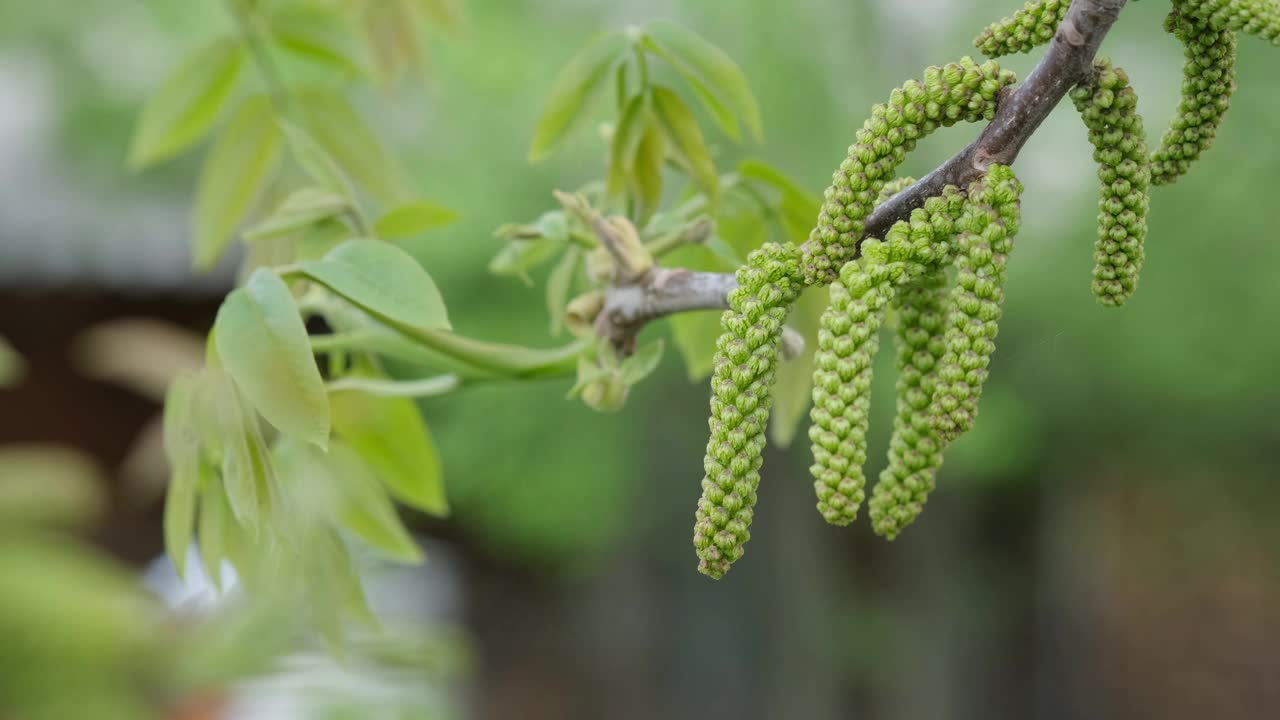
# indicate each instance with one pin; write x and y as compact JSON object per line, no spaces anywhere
{"x":946,"y":319}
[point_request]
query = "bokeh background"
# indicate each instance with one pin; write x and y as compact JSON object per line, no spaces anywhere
{"x":1104,"y":543}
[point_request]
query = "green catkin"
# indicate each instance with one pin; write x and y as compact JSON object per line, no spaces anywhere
{"x":745,"y":365}
{"x":893,"y":187}
{"x":958,"y":91}
{"x":985,"y":239}
{"x":1026,"y":29}
{"x":1109,"y":108}
{"x":1260,"y":18}
{"x":1209,"y":79}
{"x":849,"y":338}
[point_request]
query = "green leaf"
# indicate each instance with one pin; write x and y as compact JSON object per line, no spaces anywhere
{"x":263,"y":344}
{"x":626,"y":141}
{"x":682,"y":130}
{"x":412,"y":219}
{"x":237,"y":170}
{"x":445,"y":13}
{"x":12,"y":367}
{"x":518,"y":257}
{"x":182,"y":448}
{"x":559,"y":285}
{"x":642,"y":364}
{"x":338,"y":127}
{"x":212,"y":530}
{"x":317,"y":163}
{"x":574,"y":87}
{"x":793,"y":388}
{"x":682,"y":47}
{"x":722,"y":115}
{"x":348,"y":494}
{"x":302,"y":209}
{"x":648,"y":171}
{"x":388,"y":433}
{"x":187,"y":103}
{"x":317,"y":35}
{"x":797,"y":209}
{"x":382,"y":279}
{"x":695,"y":333}
{"x":246,"y":468}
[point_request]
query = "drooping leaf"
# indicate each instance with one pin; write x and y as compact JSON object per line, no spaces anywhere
{"x":182,"y":448}
{"x":246,"y":468}
{"x":302,"y":209}
{"x":721,"y":114}
{"x":317,"y":35}
{"x":211,"y":531}
{"x":187,"y":103}
{"x":632,"y":125}
{"x":642,"y":364}
{"x":337,"y":127}
{"x":682,"y":131}
{"x":389,"y":434}
{"x":316,"y":162}
{"x":793,"y":389}
{"x":683,"y":47}
{"x":235,"y":173}
{"x":559,"y":285}
{"x":574,"y":87}
{"x":263,"y":344}
{"x":412,"y":219}
{"x":648,"y":170}
{"x":382,"y":279}
{"x":517,"y":258}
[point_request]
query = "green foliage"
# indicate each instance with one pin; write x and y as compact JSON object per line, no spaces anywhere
{"x":745,"y":367}
{"x":383,"y":280}
{"x":958,"y":91}
{"x":1209,"y":80}
{"x":1025,"y":30}
{"x":1110,"y":110}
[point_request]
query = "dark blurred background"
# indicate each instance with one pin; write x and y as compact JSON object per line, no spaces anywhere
{"x":1102,"y":545}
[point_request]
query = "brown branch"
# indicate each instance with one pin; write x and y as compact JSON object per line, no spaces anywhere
{"x":1019,"y":113}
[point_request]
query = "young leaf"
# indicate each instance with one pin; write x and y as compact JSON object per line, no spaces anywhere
{"x":187,"y":103}
{"x":317,"y":35}
{"x":317,"y":163}
{"x":391,"y":33}
{"x":648,"y":170}
{"x":682,"y":130}
{"x":797,"y":208}
{"x":642,"y":364}
{"x":211,"y":531}
{"x":388,"y":433}
{"x":263,"y":344}
{"x":246,"y":469}
{"x":559,"y":284}
{"x":444,"y":13}
{"x":183,"y":451}
{"x":626,"y":141}
{"x":682,"y":47}
{"x":238,"y":168}
{"x":337,"y":127}
{"x":412,"y":219}
{"x":574,"y":87}
{"x":517,"y":258}
{"x":382,"y":279}
{"x":302,"y":209}
{"x":722,"y":115}
{"x":793,"y":389}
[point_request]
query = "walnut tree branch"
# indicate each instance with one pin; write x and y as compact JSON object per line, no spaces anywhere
{"x":1067,"y":62}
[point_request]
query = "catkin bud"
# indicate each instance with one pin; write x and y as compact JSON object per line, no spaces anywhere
{"x":1109,"y":108}
{"x":849,"y":338}
{"x":1209,"y":79}
{"x":958,"y":91}
{"x":986,"y":237}
{"x":745,"y":365}
{"x":1260,"y":18}
{"x":1028,"y":28}
{"x":915,"y":451}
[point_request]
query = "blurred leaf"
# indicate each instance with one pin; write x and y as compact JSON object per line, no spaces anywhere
{"x":382,"y":279}
{"x":722,"y":115}
{"x":392,"y":35}
{"x":695,"y":333}
{"x":318,"y":35}
{"x":445,"y":13}
{"x":262,"y":342}
{"x":48,"y":485}
{"x":390,"y":436}
{"x":682,"y":131}
{"x":212,"y":531}
{"x":241,"y":639}
{"x":241,"y":164}
{"x":684,"y":48}
{"x":337,"y":127}
{"x":559,"y":285}
{"x":793,"y":389}
{"x":11,"y":366}
{"x":574,"y":87}
{"x":142,"y":355}
{"x":187,"y":103}
{"x":625,"y":142}
{"x":302,"y":209}
{"x":354,"y":498}
{"x":412,"y":219}
{"x":317,"y":163}
{"x":182,"y":447}
{"x":518,"y":257}
{"x":246,"y":466}
{"x":320,"y":239}
{"x":797,"y":209}
{"x":648,"y":170}
{"x":425,"y":387}
{"x":642,"y":364}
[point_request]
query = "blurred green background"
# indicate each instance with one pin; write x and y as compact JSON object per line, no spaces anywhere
{"x":1102,"y":545}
